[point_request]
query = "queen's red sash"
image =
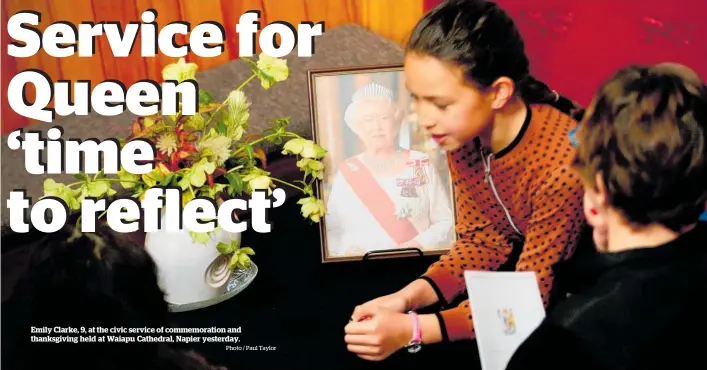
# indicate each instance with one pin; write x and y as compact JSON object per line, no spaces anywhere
{"x":378,"y":202}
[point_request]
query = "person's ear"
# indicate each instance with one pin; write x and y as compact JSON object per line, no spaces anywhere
{"x":502,"y":91}
{"x":601,"y":196}
{"x":595,"y":203}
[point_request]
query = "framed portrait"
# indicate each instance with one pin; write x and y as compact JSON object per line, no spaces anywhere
{"x":386,"y":186}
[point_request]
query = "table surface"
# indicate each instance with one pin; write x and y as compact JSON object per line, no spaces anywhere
{"x":300,"y":305}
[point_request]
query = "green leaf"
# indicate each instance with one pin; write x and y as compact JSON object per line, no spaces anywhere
{"x":224,"y":248}
{"x":235,"y":182}
{"x":96,"y":189}
{"x":221,"y":128}
{"x":168,"y":179}
{"x":197,"y":174}
{"x":243,"y":260}
{"x":249,"y":149}
{"x":138,"y":192}
{"x":63,"y":192}
{"x":127,"y":179}
{"x":233,"y":263}
{"x":205,"y":98}
{"x":197,"y":177}
{"x":213,"y":192}
{"x":308,"y":190}
{"x":153,"y":177}
{"x":200,"y":237}
{"x":247,"y":250}
{"x":184,"y":183}
{"x":80,"y":177}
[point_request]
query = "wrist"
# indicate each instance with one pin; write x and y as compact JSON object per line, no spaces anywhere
{"x":414,"y":344}
{"x":408,"y":297}
{"x":419,"y":294}
{"x":430,"y":329}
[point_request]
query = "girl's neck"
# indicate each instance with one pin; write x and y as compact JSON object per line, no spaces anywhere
{"x":622,"y":236}
{"x":506,"y":126}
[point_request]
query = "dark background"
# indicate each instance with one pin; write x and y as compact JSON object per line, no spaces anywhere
{"x":296,"y":303}
{"x":301,"y":306}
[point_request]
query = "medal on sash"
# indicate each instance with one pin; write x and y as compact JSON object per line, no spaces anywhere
{"x":418,"y":170}
{"x":419,"y":177}
{"x":407,"y":187}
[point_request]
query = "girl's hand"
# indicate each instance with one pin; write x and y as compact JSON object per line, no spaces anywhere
{"x":383,"y":333}
{"x":392,"y":302}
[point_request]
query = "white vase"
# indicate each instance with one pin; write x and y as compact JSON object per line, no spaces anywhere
{"x":189,"y":271}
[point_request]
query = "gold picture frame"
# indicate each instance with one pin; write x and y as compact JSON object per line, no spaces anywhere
{"x":358,"y":224}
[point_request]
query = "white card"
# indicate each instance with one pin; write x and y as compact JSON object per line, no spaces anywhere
{"x":506,"y":307}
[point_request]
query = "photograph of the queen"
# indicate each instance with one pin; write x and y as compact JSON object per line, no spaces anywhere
{"x":387,"y":184}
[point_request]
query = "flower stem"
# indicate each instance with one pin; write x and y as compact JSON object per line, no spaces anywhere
{"x":234,"y":169}
{"x":266,"y":137}
{"x":213,"y":114}
{"x":287,"y":183}
{"x":246,"y":82}
{"x":118,"y":180}
{"x":104,"y":179}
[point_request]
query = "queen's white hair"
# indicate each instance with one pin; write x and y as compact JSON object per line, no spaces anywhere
{"x":370,"y":91}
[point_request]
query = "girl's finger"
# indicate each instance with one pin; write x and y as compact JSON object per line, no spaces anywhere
{"x":365,"y":340}
{"x":371,"y":358}
{"x":363,"y":350}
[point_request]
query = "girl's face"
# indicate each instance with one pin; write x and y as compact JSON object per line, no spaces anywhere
{"x":450,"y":109}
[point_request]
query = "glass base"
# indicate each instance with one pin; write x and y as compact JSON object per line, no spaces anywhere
{"x":240,"y":279}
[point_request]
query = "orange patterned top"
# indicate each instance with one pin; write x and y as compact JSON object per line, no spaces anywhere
{"x":530,"y":181}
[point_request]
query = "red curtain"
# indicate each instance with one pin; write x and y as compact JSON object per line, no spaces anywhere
{"x":574,"y":45}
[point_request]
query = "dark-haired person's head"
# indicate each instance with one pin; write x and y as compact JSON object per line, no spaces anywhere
{"x":83,"y":281}
{"x":465,"y":61}
{"x":643,"y":151}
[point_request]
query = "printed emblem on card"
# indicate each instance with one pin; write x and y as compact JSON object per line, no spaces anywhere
{"x":508,"y":320}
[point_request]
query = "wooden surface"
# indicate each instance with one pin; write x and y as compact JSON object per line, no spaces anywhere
{"x":390,"y":18}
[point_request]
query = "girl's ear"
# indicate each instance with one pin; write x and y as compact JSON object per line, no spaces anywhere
{"x":502,"y":91}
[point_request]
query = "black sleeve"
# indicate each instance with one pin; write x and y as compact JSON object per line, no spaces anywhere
{"x":553,"y":348}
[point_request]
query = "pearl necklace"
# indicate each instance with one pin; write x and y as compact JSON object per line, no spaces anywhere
{"x":382,"y":164}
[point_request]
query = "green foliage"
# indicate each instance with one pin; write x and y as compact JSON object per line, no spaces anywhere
{"x":207,"y":155}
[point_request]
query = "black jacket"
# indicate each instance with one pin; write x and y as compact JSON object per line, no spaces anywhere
{"x":645,"y":309}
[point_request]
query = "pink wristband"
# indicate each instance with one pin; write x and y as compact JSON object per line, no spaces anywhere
{"x":415,"y":343}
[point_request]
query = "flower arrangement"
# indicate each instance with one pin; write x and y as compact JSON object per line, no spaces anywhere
{"x":208,"y":155}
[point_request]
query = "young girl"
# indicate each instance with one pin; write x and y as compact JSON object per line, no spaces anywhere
{"x":643,"y":158}
{"x":506,"y":134}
